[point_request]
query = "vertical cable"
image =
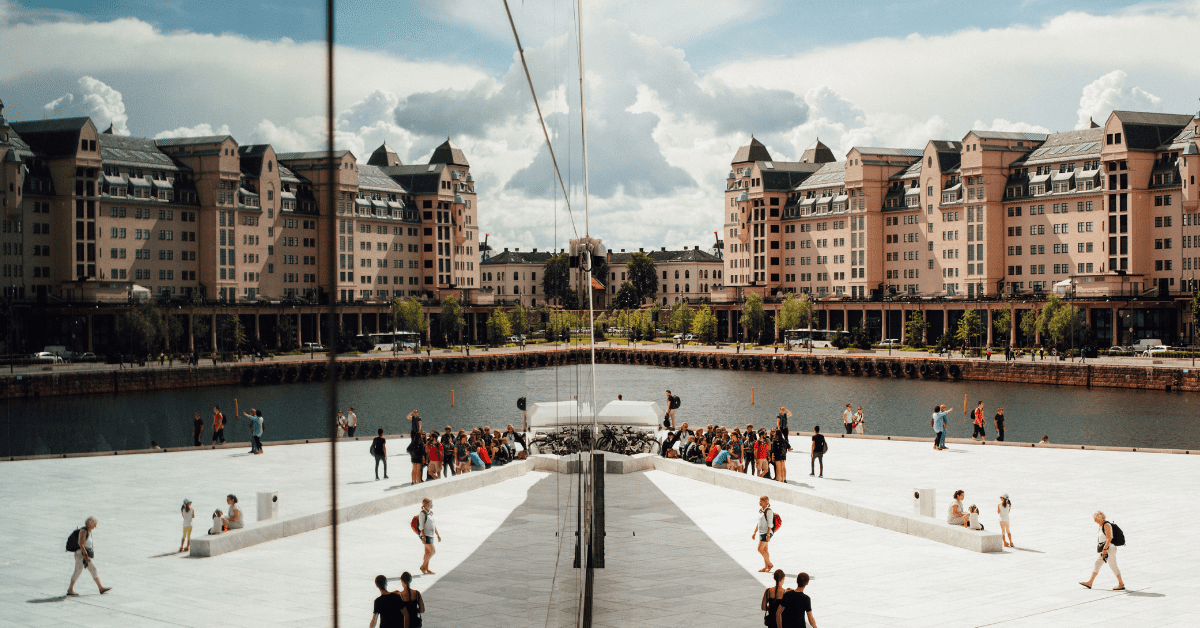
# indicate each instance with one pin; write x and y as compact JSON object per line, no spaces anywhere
{"x":331,"y":371}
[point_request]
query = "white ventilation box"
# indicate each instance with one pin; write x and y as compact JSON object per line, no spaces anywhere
{"x":268,"y":505}
{"x":924,"y":501}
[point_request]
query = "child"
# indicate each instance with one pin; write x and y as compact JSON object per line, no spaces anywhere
{"x":972,"y":520}
{"x":1003,"y":509}
{"x":185,"y":543}
{"x":218,"y":525}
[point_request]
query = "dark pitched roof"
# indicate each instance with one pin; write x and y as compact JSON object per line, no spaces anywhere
{"x":287,"y":176}
{"x":782,"y":176}
{"x":1150,"y":131}
{"x":949,"y":154}
{"x":517,"y":257}
{"x":666,"y":257}
{"x":888,"y":152}
{"x":449,"y":154}
{"x":754,"y":151}
{"x":384,"y":156}
{"x":310,"y":155}
{"x":818,"y":153}
{"x":374,"y":178}
{"x":417,"y":179}
{"x":134,"y":151}
{"x":251,"y":158}
{"x":1010,"y":135}
{"x":194,"y":141}
{"x":51,"y":138}
{"x":1153,"y":119}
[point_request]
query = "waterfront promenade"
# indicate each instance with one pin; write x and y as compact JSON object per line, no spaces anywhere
{"x":679,"y":551}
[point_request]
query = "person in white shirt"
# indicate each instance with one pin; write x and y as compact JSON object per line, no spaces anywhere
{"x":185,"y":543}
{"x":218,"y":525}
{"x":763,"y":531}
{"x":428,"y":530}
{"x":858,"y":421}
{"x":351,"y":423}
{"x":848,"y":419}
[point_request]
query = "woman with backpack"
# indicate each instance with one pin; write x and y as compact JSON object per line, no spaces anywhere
{"x":1110,"y":538}
{"x":427,"y":529}
{"x":80,"y":544}
{"x":763,"y":531}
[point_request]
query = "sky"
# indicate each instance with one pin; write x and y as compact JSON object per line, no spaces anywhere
{"x":673,"y":87}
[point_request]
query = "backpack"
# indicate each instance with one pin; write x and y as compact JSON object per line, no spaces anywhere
{"x":374,"y":448}
{"x":73,"y":541}
{"x":676,"y":402}
{"x":416,"y":524}
{"x":824,"y":446}
{"x":775,"y":523}
{"x":1118,"y":537}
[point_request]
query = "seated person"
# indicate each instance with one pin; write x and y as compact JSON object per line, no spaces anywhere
{"x":691,"y":451}
{"x":218,"y":525}
{"x":972,"y":521}
{"x":721,"y":458}
{"x":234,"y":521}
{"x":712,"y":451}
{"x":957,"y":515}
{"x":503,"y":454}
{"x":476,"y":460}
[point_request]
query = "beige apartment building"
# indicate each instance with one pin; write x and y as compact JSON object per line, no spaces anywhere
{"x":515,"y":276}
{"x":686,"y":275}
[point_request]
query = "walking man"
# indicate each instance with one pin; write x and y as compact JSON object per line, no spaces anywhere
{"x":819,"y":447}
{"x":256,"y":430}
{"x":848,"y":419}
{"x":938,"y":422}
{"x":999,"y":421}
{"x":218,"y":426}
{"x":979,"y":431}
{"x":781,"y":423}
{"x":379,"y":450}
{"x":389,"y":607}
{"x":673,"y":402}
{"x":351,"y":423}
{"x":427,"y":530}
{"x":763,"y":531}
{"x":197,"y":430}
{"x":1111,"y":538}
{"x":794,"y":606}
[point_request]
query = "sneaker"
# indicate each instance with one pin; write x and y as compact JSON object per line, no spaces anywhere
{"x":811,"y":474}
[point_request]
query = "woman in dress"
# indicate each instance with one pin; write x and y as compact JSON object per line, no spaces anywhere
{"x":957,"y":516}
{"x":414,"y":604}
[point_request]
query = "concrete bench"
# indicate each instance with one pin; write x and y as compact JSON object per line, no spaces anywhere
{"x":615,"y":464}
{"x":906,"y":523}
{"x":204,"y":546}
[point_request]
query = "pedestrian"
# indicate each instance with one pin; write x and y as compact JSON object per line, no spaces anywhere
{"x":998,"y":420}
{"x":256,"y":430}
{"x":197,"y":429}
{"x":673,"y":403}
{"x":848,"y":419}
{"x":389,"y":606}
{"x":1110,"y":538}
{"x":415,"y":429}
{"x":339,"y":425}
{"x":234,"y":520}
{"x":427,"y":529}
{"x":779,"y":449}
{"x":449,"y":456}
{"x":770,"y":601}
{"x":85,"y":556}
{"x":218,"y":426}
{"x":795,"y":606}
{"x":763,"y":531}
{"x":185,"y":543}
{"x":957,"y":515}
{"x":351,"y":423}
{"x":762,"y":452}
{"x":938,"y":423}
{"x":668,"y":443}
{"x":858,"y":421}
{"x":414,"y":604}
{"x":416,"y":455}
{"x":462,"y":455}
{"x":819,"y":447}
{"x":781,"y":423}
{"x":979,"y":432}
{"x":433,"y":452}
{"x":379,"y":451}
{"x":1003,"y":509}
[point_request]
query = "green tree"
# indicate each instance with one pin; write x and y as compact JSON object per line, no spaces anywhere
{"x":753,"y":318}
{"x":795,"y":311}
{"x":969,"y":327}
{"x":1195,"y":314}
{"x":914,"y":330}
{"x":704,"y":324}
{"x":681,"y":318}
{"x":1029,"y":326}
{"x":498,"y":327}
{"x":599,"y":325}
{"x":200,"y":332}
{"x":450,"y":319}
{"x":173,"y":332}
{"x":285,"y":333}
{"x":626,"y":297}
{"x":643,"y":277}
{"x":1065,"y":322}
{"x":642,"y":324}
{"x":233,"y":332}
{"x":409,"y":315}
{"x":1002,"y":323}
{"x":518,"y":318}
{"x":556,"y":280}
{"x":1046,"y":316}
{"x":840,"y":340}
{"x":141,"y":330}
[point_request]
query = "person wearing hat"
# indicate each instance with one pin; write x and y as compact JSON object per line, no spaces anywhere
{"x":185,"y":544}
{"x":1003,"y":509}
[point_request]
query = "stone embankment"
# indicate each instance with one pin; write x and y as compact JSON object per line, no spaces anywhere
{"x":840,"y":365}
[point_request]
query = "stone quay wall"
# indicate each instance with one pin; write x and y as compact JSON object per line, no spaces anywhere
{"x":848,"y":364}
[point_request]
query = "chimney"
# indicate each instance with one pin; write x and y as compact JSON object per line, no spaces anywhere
{"x":622,"y":250}
{"x":516,"y":249}
{"x":697,"y":247}
{"x":641,"y":250}
{"x":664,"y":249}
{"x":506,"y":249}
{"x":535,"y":250}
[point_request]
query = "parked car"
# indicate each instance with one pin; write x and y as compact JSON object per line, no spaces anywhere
{"x":48,"y":357}
{"x":1118,"y":349}
{"x":86,"y":357}
{"x":313,"y":346}
{"x":890,"y":342}
{"x":1155,"y":350}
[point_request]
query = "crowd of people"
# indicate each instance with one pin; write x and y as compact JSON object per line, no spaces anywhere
{"x":435,"y":455}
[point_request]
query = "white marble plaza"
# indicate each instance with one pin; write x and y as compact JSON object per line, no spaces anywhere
{"x":679,"y":551}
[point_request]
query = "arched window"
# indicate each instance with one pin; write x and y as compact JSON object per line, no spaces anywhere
{"x":687,"y":274}
{"x":270,"y":166}
{"x":514,"y":275}
{"x":687,"y":287}
{"x":677,"y":274}
{"x":676,"y":287}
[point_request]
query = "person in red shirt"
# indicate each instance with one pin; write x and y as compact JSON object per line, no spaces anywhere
{"x":434,"y":449}
{"x":979,"y":430}
{"x":218,"y":426}
{"x":762,"y":449}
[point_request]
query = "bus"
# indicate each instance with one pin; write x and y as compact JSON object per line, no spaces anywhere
{"x":816,"y":338}
{"x":396,"y":340}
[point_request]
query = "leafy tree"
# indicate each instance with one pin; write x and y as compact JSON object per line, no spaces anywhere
{"x":914,"y":330}
{"x":1029,"y":325}
{"x":643,"y":277}
{"x":498,"y":326}
{"x":1195,"y":314}
{"x":173,"y":332}
{"x":626,"y":297}
{"x":1066,"y":320}
{"x":840,"y":340}
{"x":704,"y":324}
{"x":753,"y":318}
{"x":141,"y":330}
{"x":200,"y":332}
{"x":681,"y":318}
{"x":556,"y":280}
{"x":599,"y":325}
{"x":860,"y":338}
{"x":408,"y":315}
{"x":451,"y":318}
{"x":1002,"y":323}
{"x":233,"y":332}
{"x":285,"y":333}
{"x":969,"y":327}
{"x":796,"y":312}
{"x":518,"y":318}
{"x":641,"y":324}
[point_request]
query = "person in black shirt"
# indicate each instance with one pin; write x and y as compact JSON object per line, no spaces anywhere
{"x":197,"y":430}
{"x":379,"y":450}
{"x":794,"y":606}
{"x":779,"y":449}
{"x":415,"y":417}
{"x":999,"y":420}
{"x":668,"y":443}
{"x":389,"y":606}
{"x":818,"y":451}
{"x":781,"y":423}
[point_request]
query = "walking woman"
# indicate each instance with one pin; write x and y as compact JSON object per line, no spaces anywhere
{"x":416,"y":454}
{"x":1003,"y":509}
{"x":218,"y":427}
{"x":434,"y":451}
{"x":414,"y":604}
{"x":770,"y":601}
{"x":763,"y":531}
{"x":428,"y":529}
{"x":1106,"y":548}
{"x":85,"y":558}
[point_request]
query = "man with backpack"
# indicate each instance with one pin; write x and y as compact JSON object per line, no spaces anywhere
{"x":673,"y":402}
{"x":1111,"y":537}
{"x":379,"y":450}
{"x":819,"y":447}
{"x":768,"y":523}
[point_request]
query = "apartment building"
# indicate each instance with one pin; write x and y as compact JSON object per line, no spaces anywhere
{"x":687,"y":275}
{"x":96,"y":217}
{"x":515,"y":276}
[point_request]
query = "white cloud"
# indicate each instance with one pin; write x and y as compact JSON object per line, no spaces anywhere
{"x":1107,"y":93}
{"x":65,"y":99}
{"x":1000,"y":124}
{"x":96,"y":99}
{"x":200,"y":130}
